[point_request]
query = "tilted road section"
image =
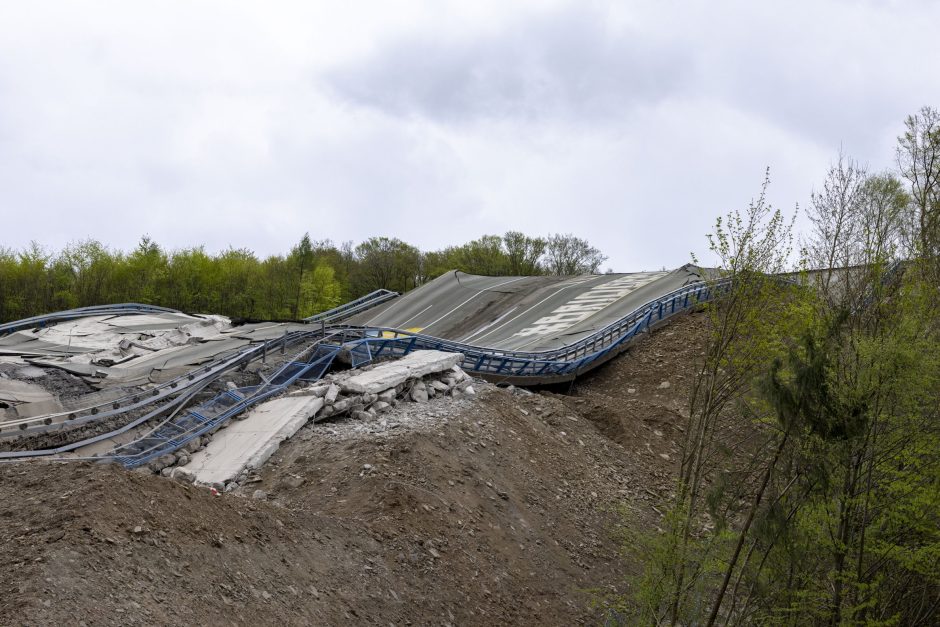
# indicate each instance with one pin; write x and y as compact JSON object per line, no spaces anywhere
{"x":522,"y":313}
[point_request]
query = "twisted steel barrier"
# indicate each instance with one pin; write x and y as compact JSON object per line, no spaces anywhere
{"x":353,"y":307}
{"x":180,"y":429}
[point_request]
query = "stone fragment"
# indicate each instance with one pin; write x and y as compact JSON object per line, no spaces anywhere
{"x":387,"y":396}
{"x":331,"y":394}
{"x":419,"y":396}
{"x":319,"y":390}
{"x":664,"y":385}
{"x":183,"y":475}
{"x":380,"y":406}
{"x":259,"y":495}
{"x":292,"y":481}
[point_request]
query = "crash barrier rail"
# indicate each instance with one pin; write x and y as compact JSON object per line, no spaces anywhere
{"x":81,"y":312}
{"x":542,"y":365}
{"x":137,"y":399}
{"x":353,"y":307}
{"x":180,"y":429}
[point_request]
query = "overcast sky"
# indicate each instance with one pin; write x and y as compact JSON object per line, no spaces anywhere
{"x":632,"y":124}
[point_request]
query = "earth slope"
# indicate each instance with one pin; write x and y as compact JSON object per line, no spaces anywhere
{"x":501,"y":508}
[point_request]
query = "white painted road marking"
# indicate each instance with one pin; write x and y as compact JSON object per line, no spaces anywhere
{"x":402,"y":324}
{"x":587,"y":304}
{"x":471,"y":298}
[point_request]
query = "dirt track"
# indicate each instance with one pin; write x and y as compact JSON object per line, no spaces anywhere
{"x":503,"y":510}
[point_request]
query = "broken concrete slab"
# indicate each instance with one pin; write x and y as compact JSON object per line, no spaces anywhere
{"x":13,"y":391}
{"x":250,"y":442}
{"x":388,"y":375}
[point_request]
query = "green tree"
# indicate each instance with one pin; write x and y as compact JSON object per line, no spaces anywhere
{"x":387,"y":263}
{"x":568,"y":255}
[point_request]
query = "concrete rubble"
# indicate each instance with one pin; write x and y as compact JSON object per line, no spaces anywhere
{"x":234,"y":452}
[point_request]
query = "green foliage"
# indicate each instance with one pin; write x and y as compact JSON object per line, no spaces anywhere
{"x":831,"y":515}
{"x":312,"y":277}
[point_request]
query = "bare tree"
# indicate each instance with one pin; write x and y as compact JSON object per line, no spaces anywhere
{"x":918,"y":157}
{"x":834,"y":244}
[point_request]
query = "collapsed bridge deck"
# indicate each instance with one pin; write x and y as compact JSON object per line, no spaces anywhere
{"x":159,"y":386}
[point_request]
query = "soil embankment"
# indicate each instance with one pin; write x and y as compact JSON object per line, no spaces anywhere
{"x":500,"y":508}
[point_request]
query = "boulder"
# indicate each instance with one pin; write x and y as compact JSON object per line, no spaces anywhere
{"x":183,"y":475}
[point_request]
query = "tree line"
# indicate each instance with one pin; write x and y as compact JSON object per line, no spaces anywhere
{"x":808,"y":490}
{"x":312,"y":277}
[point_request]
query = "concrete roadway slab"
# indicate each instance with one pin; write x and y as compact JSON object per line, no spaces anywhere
{"x":523,"y":313}
{"x":250,"y":442}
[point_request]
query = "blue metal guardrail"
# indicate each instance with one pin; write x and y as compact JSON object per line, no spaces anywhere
{"x":180,"y":429}
{"x":353,"y":307}
{"x":81,"y":312}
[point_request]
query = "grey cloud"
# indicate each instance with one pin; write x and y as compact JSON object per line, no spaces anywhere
{"x":569,"y":63}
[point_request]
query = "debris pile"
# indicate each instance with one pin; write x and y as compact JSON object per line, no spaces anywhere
{"x":229,"y":458}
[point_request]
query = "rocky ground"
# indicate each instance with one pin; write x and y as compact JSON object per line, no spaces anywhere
{"x":501,"y":507}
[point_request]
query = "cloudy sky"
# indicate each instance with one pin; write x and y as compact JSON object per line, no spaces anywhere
{"x":632,"y":124}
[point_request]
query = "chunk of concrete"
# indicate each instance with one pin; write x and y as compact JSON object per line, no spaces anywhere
{"x":331,"y":394}
{"x":183,"y":474}
{"x":250,"y":442}
{"x":319,"y":390}
{"x":412,"y":366}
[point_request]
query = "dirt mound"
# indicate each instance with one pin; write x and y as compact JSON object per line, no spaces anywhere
{"x":501,"y":509}
{"x":641,"y":401}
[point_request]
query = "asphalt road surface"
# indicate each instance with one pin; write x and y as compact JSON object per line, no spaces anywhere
{"x":522,"y":313}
